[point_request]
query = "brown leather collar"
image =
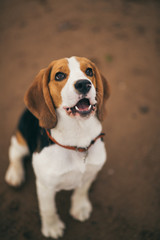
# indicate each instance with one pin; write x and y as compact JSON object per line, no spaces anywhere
{"x":79,"y":149}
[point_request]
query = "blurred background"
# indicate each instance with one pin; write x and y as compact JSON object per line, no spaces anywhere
{"x":123,"y":38}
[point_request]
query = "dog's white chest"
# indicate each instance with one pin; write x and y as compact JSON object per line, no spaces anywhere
{"x":66,"y":169}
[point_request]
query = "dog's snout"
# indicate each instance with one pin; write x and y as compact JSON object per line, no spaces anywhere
{"x":83,"y":86}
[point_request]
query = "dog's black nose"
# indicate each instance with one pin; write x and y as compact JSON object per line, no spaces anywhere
{"x":83,"y":86}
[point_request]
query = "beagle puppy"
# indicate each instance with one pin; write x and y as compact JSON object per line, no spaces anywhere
{"x":61,"y":128}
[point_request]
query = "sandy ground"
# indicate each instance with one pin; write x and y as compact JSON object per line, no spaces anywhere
{"x":123,"y":39}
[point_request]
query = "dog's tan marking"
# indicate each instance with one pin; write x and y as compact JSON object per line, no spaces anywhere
{"x":55,"y":87}
{"x":20,"y":139}
{"x":99,"y":82}
{"x":84,"y":64}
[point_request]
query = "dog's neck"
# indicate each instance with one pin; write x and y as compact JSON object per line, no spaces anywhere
{"x":75,"y":131}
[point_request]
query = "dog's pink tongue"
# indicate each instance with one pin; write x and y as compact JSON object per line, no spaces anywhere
{"x":83,"y":104}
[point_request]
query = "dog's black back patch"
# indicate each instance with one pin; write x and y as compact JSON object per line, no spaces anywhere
{"x":34,"y":135}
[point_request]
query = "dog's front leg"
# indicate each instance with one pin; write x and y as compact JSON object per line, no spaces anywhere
{"x":52,"y":226}
{"x":81,"y":206}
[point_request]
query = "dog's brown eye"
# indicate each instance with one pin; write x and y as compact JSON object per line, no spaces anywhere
{"x":89,"y":72}
{"x":60,"y":76}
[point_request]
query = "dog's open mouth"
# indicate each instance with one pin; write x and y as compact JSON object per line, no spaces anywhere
{"x":82,"y":108}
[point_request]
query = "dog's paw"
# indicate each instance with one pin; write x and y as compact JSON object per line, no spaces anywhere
{"x":53,"y":229}
{"x":15,"y":175}
{"x":81,"y":209}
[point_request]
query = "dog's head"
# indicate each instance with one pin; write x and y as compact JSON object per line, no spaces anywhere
{"x":74,"y":85}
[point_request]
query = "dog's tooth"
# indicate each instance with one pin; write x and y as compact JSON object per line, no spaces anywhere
{"x":76,"y":108}
{"x":89,"y":107}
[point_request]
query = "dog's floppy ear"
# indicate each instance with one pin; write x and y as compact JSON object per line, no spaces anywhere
{"x":103,"y":93}
{"x":39,"y":101}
